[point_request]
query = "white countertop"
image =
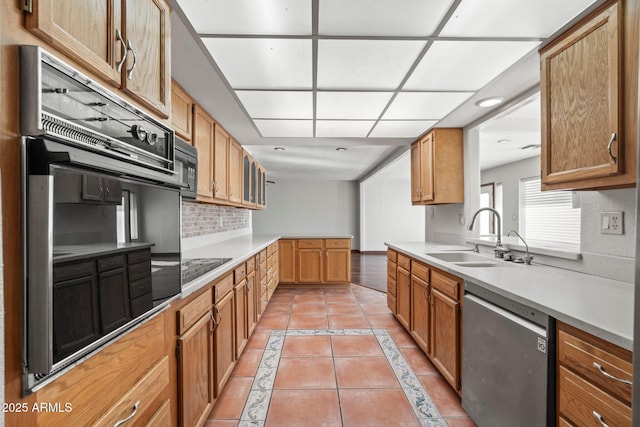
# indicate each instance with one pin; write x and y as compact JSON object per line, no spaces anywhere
{"x":602,"y":307}
{"x":316,"y":236}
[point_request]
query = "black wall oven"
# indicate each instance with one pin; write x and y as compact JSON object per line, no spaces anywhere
{"x":101,"y":215}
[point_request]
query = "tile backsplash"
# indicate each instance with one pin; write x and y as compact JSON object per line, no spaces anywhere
{"x":201,"y":219}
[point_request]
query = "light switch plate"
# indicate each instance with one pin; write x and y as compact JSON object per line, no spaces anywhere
{"x":612,"y":223}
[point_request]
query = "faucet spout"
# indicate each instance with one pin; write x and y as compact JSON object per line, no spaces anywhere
{"x":498,"y":223}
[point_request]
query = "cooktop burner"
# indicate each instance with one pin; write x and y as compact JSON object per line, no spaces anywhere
{"x":195,"y":267}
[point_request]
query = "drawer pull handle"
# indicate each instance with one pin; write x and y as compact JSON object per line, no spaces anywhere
{"x":613,"y":138}
{"x":598,"y":417}
{"x":215,"y":324}
{"x":611,"y":377}
{"x":133,"y":414}
{"x":219,"y":314}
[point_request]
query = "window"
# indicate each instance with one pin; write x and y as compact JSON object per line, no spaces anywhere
{"x":490,"y":197}
{"x":548,"y":217}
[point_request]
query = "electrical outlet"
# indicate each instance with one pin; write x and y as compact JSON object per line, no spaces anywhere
{"x":612,"y":223}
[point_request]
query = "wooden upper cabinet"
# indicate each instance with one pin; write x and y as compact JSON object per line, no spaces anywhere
{"x":126,"y":43}
{"x":588,"y":92}
{"x":437,"y":168}
{"x":181,"y":112}
{"x":203,"y":134}
{"x":85,"y":31}
{"x":235,"y":172}
{"x":147,"y":76}
{"x":220,"y":162}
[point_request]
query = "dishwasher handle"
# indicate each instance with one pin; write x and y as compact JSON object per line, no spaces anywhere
{"x":507,"y":314}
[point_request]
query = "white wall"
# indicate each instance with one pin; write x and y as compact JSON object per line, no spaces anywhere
{"x":310,"y":206}
{"x":386,"y":210}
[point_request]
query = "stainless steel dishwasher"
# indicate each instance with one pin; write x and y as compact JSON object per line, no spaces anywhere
{"x":508,"y":358}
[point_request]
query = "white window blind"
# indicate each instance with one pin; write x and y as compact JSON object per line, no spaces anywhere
{"x":548,"y":216}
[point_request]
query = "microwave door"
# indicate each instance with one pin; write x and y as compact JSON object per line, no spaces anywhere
{"x":39,"y":278}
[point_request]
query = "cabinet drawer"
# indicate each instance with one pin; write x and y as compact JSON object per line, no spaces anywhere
{"x":404,"y":262}
{"x":139,"y":287}
{"x":193,"y":311}
{"x":162,"y":417}
{"x":579,"y":399}
{"x":251,"y":264}
{"x":420,"y":270}
{"x":222,"y":287}
{"x":141,"y":304}
{"x":140,"y":270}
{"x":310,"y":244}
{"x":391,"y":269}
{"x":73,"y":271}
{"x":337,"y":243}
{"x":391,"y":286}
{"x":445,"y":284}
{"x":239,"y":273}
{"x":111,"y":263}
{"x":580,"y":354}
{"x":271,"y":249}
{"x":271,"y":261}
{"x":392,"y":255}
{"x":139,"y":256}
{"x":391,"y":302}
{"x":141,"y":398}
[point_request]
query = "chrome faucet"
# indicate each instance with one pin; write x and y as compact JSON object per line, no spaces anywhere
{"x":499,"y":250}
{"x":527,"y":258}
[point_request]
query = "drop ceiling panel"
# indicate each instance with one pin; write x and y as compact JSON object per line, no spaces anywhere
{"x":401,"y":128}
{"x":277,"y":104}
{"x":351,"y":105}
{"x":465,"y":65}
{"x":285,"y":128}
{"x":513,"y":18}
{"x":424,"y":105}
{"x":381,"y":17}
{"x":365,"y":64}
{"x":343,"y":128}
{"x":267,"y":17}
{"x":263,"y":63}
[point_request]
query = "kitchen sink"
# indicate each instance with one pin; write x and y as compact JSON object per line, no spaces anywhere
{"x":477,"y":264}
{"x":459,"y":257}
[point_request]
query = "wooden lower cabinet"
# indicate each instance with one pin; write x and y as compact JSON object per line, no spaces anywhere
{"x":315,"y":261}
{"x":241,"y":312}
{"x":195,"y":372}
{"x":427,"y":303}
{"x":445,"y":339}
{"x":309,"y":266}
{"x":223,"y":341}
{"x":287,"y":260}
{"x":252,"y":299}
{"x":403,"y":297}
{"x":338,"y":266}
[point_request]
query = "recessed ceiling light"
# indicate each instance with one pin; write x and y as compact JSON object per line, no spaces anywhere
{"x":341,"y":149}
{"x":489,"y":102}
{"x":279,"y":148}
{"x":503,"y":141}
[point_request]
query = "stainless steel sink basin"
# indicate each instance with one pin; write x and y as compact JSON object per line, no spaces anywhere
{"x":458,"y":257}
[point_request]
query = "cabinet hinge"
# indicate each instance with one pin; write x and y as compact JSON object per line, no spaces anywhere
{"x":27,"y":6}
{"x":178,"y":351}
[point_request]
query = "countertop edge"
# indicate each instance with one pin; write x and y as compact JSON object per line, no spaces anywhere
{"x":613,"y":336}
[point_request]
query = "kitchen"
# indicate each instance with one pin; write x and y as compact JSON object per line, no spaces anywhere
{"x":611,"y":257}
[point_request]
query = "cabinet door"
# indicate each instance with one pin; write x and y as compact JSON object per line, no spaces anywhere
{"x":235,"y":170}
{"x":92,"y":188}
{"x":251,"y":303}
{"x":581,"y":78}
{"x":445,"y":336}
{"x":287,"y":261}
{"x":246,"y":178}
{"x":259,"y":188}
{"x":181,"y":112}
{"x":426,"y":168}
{"x":338,"y":266}
{"x":112,"y":190}
{"x":241,"y":311}
{"x":309,"y":266}
{"x":253,"y":182}
{"x":203,"y":140}
{"x":113,"y":288}
{"x":415,"y":172}
{"x":86,"y":31}
{"x":403,"y":297}
{"x":147,"y":76}
{"x":220,"y":162}
{"x":195,"y":373}
{"x":420,"y":312}
{"x":223,"y":341}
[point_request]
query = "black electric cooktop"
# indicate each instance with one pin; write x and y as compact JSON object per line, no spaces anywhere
{"x":192,"y":268}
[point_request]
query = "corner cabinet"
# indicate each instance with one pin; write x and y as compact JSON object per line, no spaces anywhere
{"x":437,"y":168}
{"x":589,"y":84}
{"x":128,"y":44}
